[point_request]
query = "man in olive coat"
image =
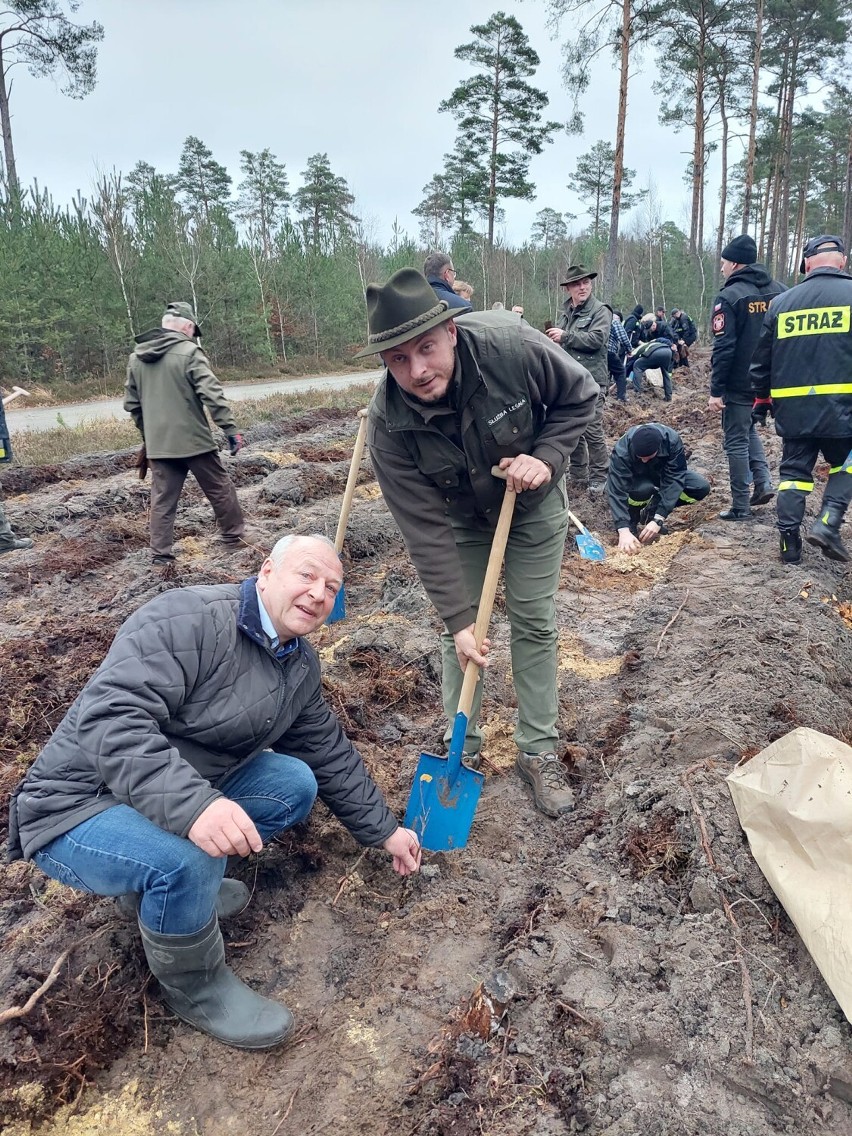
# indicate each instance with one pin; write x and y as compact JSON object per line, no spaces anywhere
{"x":169,"y":384}
{"x":583,"y":332}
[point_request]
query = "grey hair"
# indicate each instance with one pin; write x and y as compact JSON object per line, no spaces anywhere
{"x":435,"y":263}
{"x":281,"y":547}
{"x":177,"y":323}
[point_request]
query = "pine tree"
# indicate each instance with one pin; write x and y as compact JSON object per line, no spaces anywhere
{"x":549,"y":229}
{"x":263,"y":195}
{"x":324,"y":203}
{"x":593,"y":181}
{"x":498,"y":112}
{"x":38,"y":34}
{"x":203,"y":182}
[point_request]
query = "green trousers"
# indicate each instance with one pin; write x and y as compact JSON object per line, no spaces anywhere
{"x":531,"y":577}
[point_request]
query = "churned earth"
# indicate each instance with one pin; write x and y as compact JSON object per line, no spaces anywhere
{"x":625,"y":970}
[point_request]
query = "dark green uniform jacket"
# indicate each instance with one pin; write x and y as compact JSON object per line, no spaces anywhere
{"x":803,"y":360}
{"x":738,"y":313}
{"x":169,"y":383}
{"x":513,"y":392}
{"x":667,"y":471}
{"x":586,"y":336}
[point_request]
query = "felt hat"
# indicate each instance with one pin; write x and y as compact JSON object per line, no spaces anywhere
{"x":183,"y":311}
{"x":741,"y":250}
{"x":824,"y":243}
{"x":400,"y":310}
{"x":577,"y":272}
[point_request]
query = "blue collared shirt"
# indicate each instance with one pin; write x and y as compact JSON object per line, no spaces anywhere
{"x":270,"y":632}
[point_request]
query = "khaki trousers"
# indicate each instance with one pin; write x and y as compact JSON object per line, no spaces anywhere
{"x":531,"y":578}
{"x":167,"y":478}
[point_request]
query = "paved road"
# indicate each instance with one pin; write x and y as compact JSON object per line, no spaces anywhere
{"x":45,"y":417}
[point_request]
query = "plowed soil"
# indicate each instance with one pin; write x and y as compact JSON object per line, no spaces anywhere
{"x":623,"y":970}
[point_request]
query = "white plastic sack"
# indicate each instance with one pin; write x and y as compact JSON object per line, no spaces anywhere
{"x":654,"y":375}
{"x":794,"y":801}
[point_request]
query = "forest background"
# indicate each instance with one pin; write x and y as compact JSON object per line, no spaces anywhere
{"x":277,"y":273}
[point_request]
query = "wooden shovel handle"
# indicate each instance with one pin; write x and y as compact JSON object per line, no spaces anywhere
{"x":577,"y":523}
{"x":489,"y":590}
{"x":351,"y":481}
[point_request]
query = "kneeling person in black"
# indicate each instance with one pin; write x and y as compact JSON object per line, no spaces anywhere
{"x":648,"y":477}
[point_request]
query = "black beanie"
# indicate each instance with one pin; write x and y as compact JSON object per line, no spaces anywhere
{"x":741,"y":250}
{"x":646,"y":441}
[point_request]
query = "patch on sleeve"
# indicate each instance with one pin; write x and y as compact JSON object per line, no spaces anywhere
{"x":718,"y":323}
{"x":718,"y":307}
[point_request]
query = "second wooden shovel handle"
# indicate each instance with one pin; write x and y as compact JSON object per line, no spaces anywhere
{"x":351,"y":481}
{"x":489,"y":590}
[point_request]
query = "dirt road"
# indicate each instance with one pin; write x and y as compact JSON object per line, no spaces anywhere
{"x":73,"y":414}
{"x":639,"y":975}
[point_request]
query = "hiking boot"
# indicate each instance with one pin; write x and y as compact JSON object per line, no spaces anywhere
{"x":163,"y":558}
{"x":471,"y":760}
{"x":548,"y":779}
{"x":791,"y":545}
{"x":14,"y":543}
{"x":200,"y":988}
{"x":597,"y":488}
{"x":762,"y":495}
{"x":825,"y":533}
{"x":233,"y":897}
{"x":733,"y":514}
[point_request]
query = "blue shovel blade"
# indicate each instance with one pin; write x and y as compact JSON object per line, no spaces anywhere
{"x":589,"y":548}
{"x":440,"y":809}
{"x":338,"y":612}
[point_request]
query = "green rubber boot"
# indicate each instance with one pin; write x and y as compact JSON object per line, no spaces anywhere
{"x":203,"y":991}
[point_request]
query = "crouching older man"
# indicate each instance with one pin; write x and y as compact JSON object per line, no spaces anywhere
{"x":202,"y":735}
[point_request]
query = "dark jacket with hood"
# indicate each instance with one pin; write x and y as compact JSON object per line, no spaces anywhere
{"x":444,"y":292}
{"x":585,"y":336}
{"x":189,"y":690}
{"x":803,"y":359}
{"x":735,"y":325}
{"x":513,"y":392}
{"x":169,"y":383}
{"x":667,"y":472}
{"x":631,"y":324}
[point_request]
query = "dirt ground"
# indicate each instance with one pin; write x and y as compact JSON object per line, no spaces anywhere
{"x":623,"y":970}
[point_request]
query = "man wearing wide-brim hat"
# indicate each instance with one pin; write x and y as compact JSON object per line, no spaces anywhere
{"x":583,"y":332}
{"x":801,"y":371}
{"x":458,"y":397}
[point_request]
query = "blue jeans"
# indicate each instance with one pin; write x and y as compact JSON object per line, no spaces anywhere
{"x":746,"y":456}
{"x":119,"y":851}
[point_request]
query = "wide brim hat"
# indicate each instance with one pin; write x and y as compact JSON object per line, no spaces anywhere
{"x":577,"y":272}
{"x":400,"y":310}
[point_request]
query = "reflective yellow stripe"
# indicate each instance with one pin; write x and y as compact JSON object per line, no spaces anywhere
{"x":805,"y":486}
{"x":630,"y":501}
{"x":687,"y":500}
{"x":814,"y":321}
{"x":841,"y":469}
{"x":817,"y":388}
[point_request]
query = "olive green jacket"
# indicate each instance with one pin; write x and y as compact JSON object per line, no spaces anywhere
{"x":169,"y":384}
{"x":585,"y":335}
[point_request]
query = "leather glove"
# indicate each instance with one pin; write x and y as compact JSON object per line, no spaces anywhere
{"x":236,"y":443}
{"x":762,"y":407}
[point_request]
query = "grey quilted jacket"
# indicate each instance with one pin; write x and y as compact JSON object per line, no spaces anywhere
{"x":189,"y":690}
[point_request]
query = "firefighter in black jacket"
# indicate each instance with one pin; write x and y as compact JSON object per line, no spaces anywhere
{"x":648,"y":477}
{"x":738,"y":314}
{"x":802,"y":372}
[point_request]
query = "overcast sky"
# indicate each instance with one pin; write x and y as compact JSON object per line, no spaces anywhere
{"x":358,"y":79}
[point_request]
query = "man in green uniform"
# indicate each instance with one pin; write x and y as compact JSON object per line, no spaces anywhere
{"x":457,"y":398}
{"x":169,"y":384}
{"x":583,"y":332}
